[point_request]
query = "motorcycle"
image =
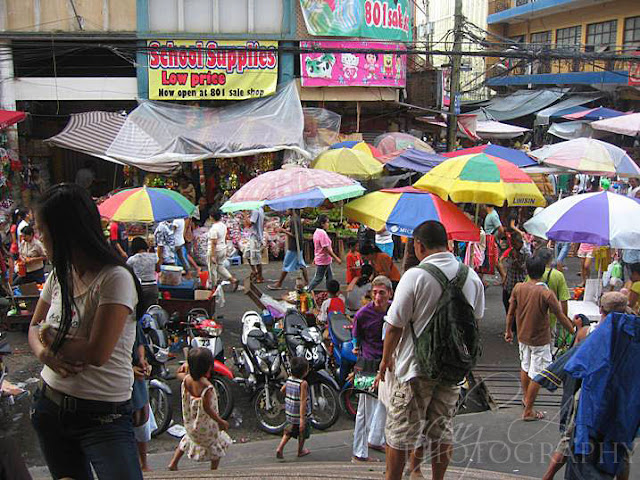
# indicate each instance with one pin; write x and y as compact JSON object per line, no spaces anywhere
{"x":343,"y":360}
{"x":263,"y":372}
{"x":155,"y":323}
{"x":305,"y":341}
{"x":205,"y":332}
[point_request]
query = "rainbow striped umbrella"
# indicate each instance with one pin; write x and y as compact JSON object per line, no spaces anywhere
{"x":401,"y":210}
{"x":482,"y":178}
{"x":145,"y":204}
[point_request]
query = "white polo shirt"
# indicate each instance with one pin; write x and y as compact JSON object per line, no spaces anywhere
{"x":415,"y":299}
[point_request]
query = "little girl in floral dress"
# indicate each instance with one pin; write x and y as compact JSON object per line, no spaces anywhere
{"x":206,"y":438}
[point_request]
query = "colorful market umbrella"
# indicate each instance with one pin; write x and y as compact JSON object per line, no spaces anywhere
{"x":482,"y":178}
{"x":591,"y":114}
{"x":293,"y":187}
{"x":412,"y":159}
{"x":601,"y":218}
{"x":517,"y":157}
{"x":145,"y":204}
{"x":626,"y":125}
{"x":396,"y":141}
{"x":588,"y":155}
{"x":401,"y":210}
{"x":349,"y":162}
{"x":358,"y":145}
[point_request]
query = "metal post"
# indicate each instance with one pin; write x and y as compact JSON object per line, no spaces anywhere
{"x":452,"y":123}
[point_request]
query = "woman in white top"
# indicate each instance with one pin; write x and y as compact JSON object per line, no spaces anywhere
{"x":384,"y":241}
{"x":83,"y":330}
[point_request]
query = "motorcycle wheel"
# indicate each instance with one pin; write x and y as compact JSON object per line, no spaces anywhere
{"x":349,"y":402}
{"x":225,"y":395}
{"x":325,"y":409}
{"x":272,"y":420}
{"x":160,"y":403}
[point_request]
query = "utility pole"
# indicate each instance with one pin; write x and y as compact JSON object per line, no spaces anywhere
{"x":454,"y":84}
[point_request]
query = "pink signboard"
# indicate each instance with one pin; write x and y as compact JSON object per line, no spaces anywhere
{"x":355,"y":69}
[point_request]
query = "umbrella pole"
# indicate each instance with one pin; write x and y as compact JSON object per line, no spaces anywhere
{"x":477,"y":213}
{"x":294,"y":215}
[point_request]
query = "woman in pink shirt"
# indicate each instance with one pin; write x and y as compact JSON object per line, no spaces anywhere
{"x":324,"y":255}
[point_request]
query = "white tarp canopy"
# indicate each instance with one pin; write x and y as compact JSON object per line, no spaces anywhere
{"x":489,"y":129}
{"x":158,"y":136}
{"x":543,"y":116}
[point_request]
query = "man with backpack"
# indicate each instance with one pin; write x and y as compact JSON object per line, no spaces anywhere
{"x":431,"y":343}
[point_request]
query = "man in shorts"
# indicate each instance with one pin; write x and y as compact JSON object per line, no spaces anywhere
{"x":529,"y":308}
{"x":419,"y":407}
{"x":293,"y":258}
{"x":256,"y":233}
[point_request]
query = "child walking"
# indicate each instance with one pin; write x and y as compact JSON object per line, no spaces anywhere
{"x":297,"y":407}
{"x":206,"y":438}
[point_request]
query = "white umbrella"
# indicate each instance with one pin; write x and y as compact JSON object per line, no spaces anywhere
{"x":601,"y":218}
{"x":588,"y":155}
{"x":626,"y":124}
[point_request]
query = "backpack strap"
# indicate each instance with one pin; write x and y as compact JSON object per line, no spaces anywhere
{"x":459,"y":279}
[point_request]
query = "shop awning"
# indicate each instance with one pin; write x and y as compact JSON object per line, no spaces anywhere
{"x":9,"y":117}
{"x":158,"y":136}
{"x":542,"y":117}
{"x":518,"y":104}
{"x":491,"y":130}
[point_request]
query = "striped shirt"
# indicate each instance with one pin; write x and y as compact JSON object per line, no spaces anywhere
{"x":292,"y":401}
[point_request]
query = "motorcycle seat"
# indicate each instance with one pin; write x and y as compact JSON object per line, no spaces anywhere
{"x":340,"y":326}
{"x":294,"y":323}
{"x":257,"y":339}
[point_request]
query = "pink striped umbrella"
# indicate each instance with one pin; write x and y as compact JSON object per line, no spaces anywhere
{"x":289,"y":182}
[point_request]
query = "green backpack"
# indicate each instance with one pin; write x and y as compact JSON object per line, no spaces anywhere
{"x":449,"y":346}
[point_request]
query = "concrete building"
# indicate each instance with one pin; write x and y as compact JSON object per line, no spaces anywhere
{"x":434,"y":22}
{"x":569,"y":25}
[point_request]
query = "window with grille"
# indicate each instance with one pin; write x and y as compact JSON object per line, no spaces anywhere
{"x":632,"y":34}
{"x":601,"y":36}
{"x":216,"y":16}
{"x":541,"y":39}
{"x":569,"y":38}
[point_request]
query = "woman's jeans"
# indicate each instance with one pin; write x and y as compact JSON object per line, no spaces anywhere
{"x":72,"y":443}
{"x":562,"y":251}
{"x":322,"y":271}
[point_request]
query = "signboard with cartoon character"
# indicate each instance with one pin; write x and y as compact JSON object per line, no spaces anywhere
{"x":381,"y":19}
{"x":354,"y":69}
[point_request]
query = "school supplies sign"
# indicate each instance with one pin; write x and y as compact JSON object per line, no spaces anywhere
{"x":354,"y":69}
{"x":381,"y":19}
{"x":211,"y":70}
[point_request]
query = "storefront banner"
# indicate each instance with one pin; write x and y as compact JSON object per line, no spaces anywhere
{"x":381,"y":19}
{"x":211,"y":70}
{"x":354,"y":69}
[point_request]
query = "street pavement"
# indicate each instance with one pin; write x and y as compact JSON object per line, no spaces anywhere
{"x":493,"y":441}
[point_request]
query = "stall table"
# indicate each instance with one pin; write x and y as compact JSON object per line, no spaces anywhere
{"x":589,"y":309}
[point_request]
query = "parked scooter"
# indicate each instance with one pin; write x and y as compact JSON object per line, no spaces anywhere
{"x":203,"y":331}
{"x":155,"y":323}
{"x":343,"y":360}
{"x":305,"y":341}
{"x":263,"y":372}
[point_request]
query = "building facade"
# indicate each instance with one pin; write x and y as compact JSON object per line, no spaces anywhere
{"x":436,"y":19}
{"x":569,"y":26}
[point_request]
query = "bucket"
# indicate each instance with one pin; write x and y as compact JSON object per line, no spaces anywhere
{"x":204,"y":277}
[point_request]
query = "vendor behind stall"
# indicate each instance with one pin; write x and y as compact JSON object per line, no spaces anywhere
{"x":33,"y":255}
